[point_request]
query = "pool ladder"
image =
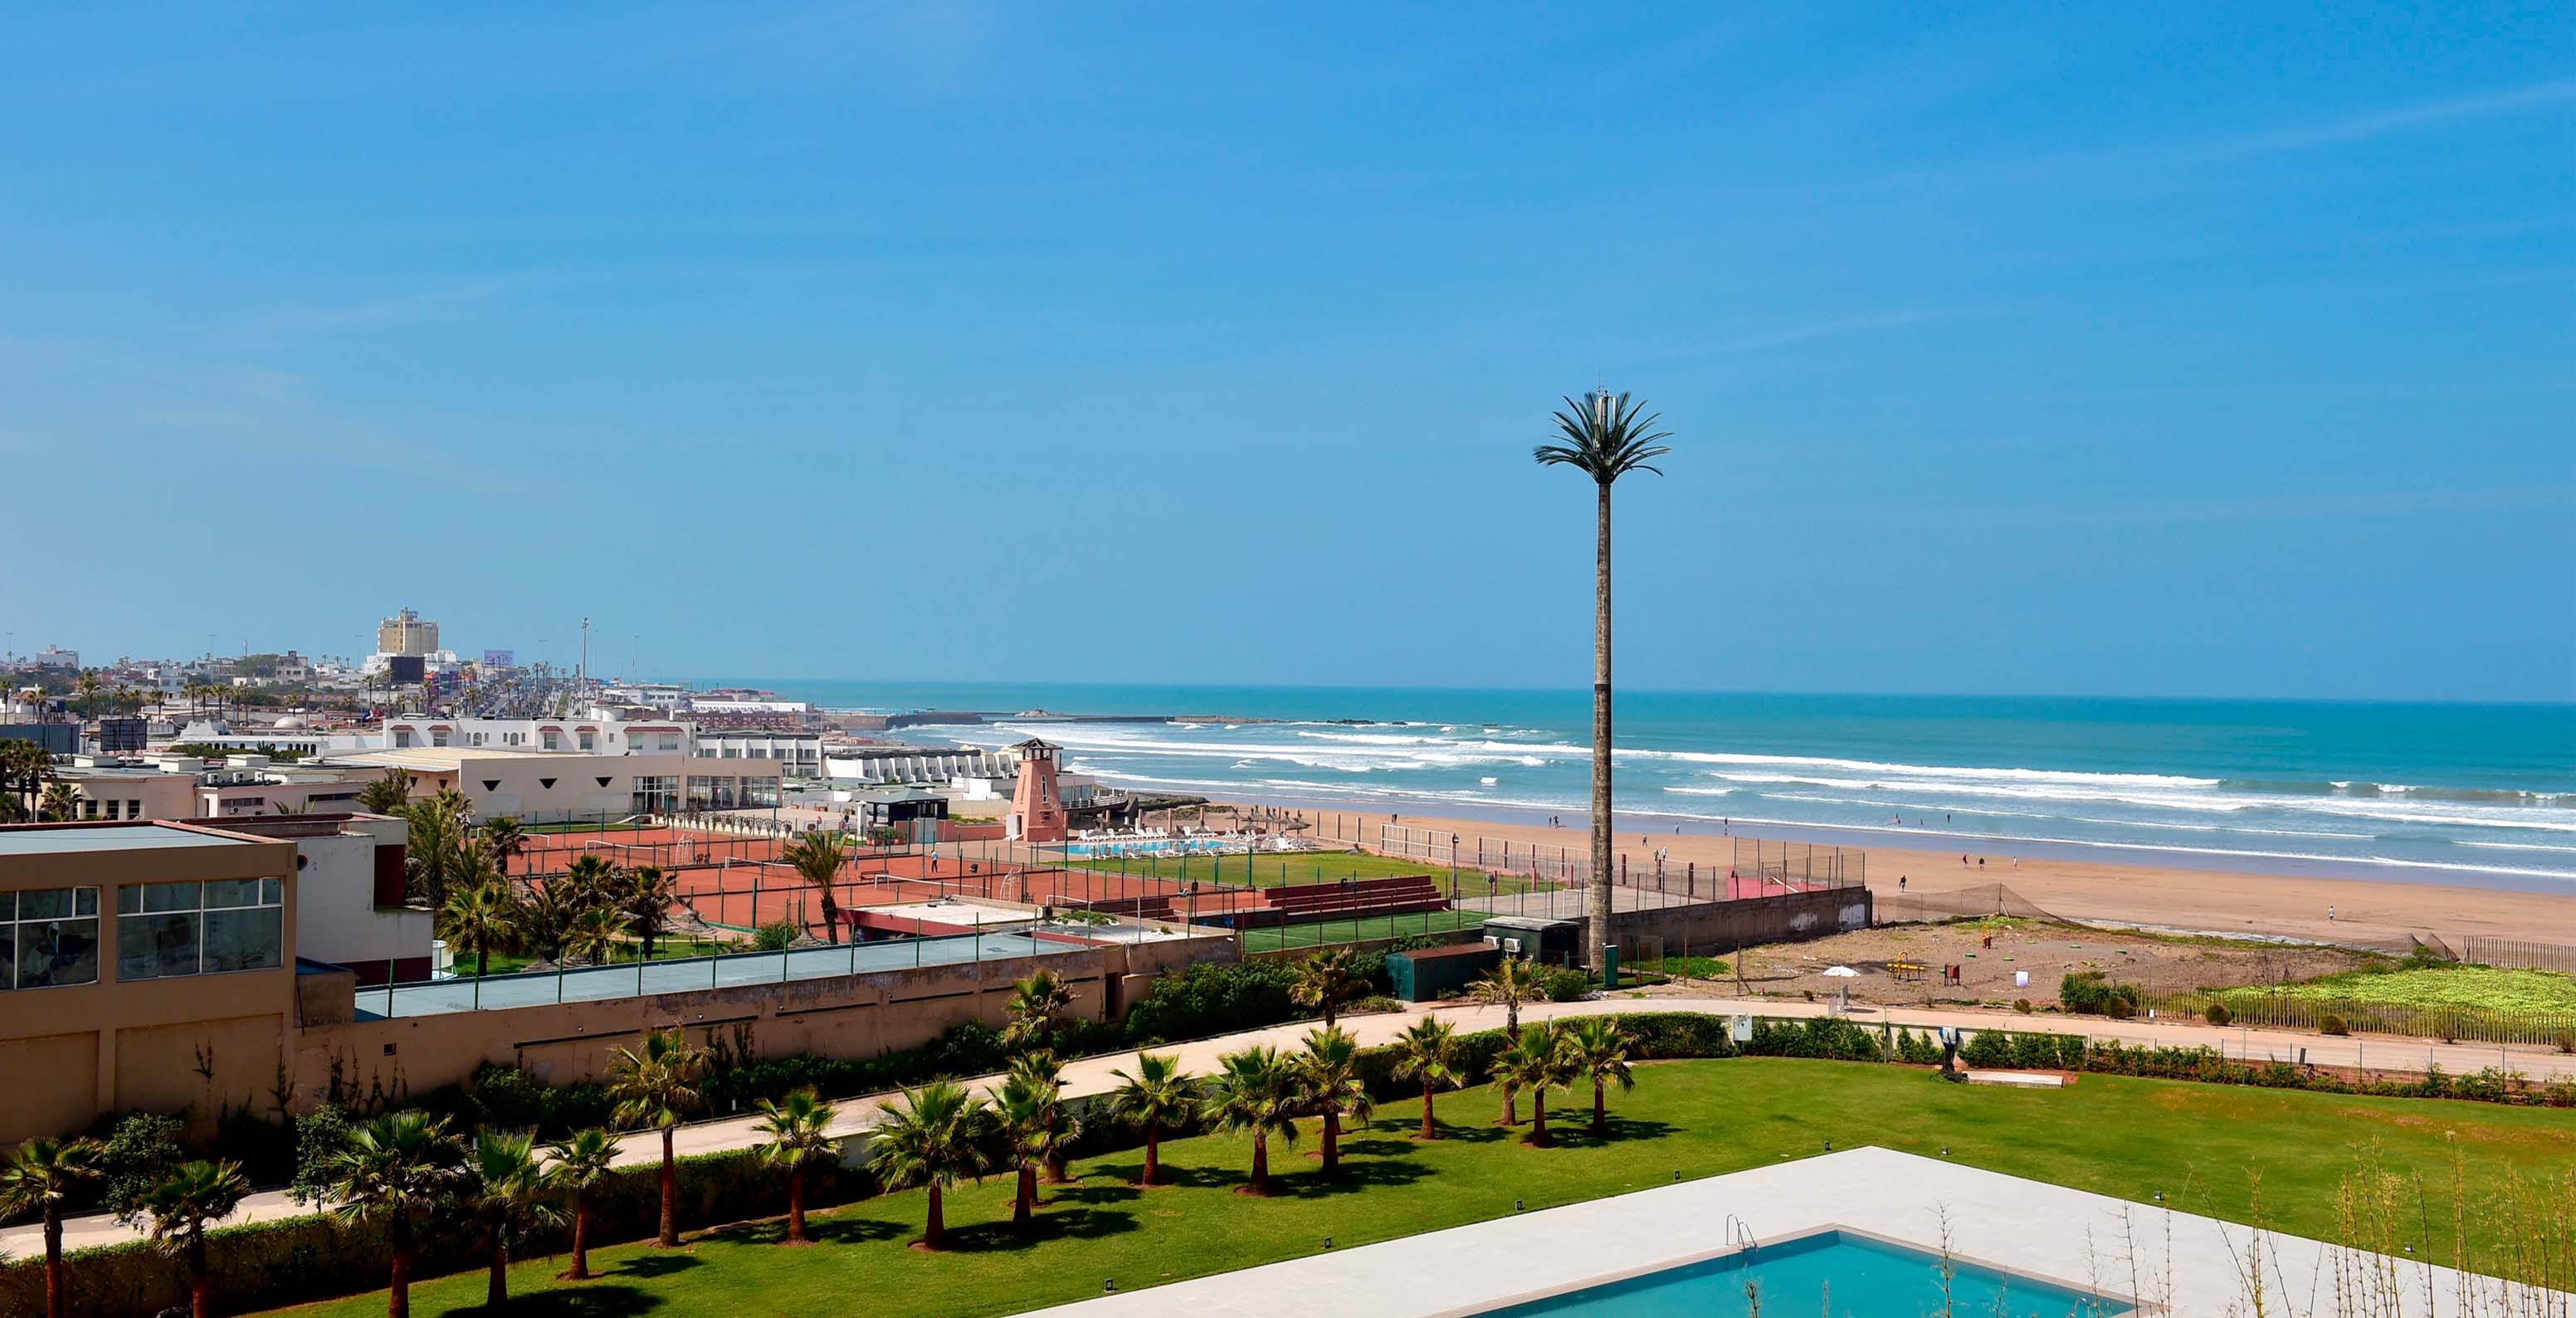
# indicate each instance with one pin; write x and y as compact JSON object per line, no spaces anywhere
{"x":1739,"y":1234}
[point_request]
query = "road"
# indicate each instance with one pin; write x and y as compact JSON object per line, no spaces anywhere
{"x":1094,"y":1076}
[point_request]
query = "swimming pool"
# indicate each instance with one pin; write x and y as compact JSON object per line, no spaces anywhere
{"x":1828,"y":1274}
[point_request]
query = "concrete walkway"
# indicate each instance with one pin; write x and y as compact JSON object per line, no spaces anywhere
{"x":1092,"y":1076}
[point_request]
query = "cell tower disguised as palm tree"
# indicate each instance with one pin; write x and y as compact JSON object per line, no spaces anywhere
{"x":1605,"y":438}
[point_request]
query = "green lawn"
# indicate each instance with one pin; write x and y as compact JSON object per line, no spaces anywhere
{"x":1326,"y":933}
{"x":2199,"y":1144}
{"x":1275,"y":871}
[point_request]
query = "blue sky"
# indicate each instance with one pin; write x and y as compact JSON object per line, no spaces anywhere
{"x":2156,"y":350}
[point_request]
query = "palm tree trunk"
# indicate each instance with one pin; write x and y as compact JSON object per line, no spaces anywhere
{"x":1600,"y":1109}
{"x":398,"y":1294}
{"x":580,"y":1239}
{"x":496,"y":1289}
{"x":670,"y":1237}
{"x":831,"y":915}
{"x":796,"y":1204}
{"x":1511,"y":1114}
{"x":1024,"y":1197}
{"x":934,"y":1233}
{"x":1427,"y":1132}
{"x":1332,"y":1143}
{"x":1538,"y":1117}
{"x":1601,"y":823}
{"x":1153,"y":1155}
{"x":1260,"y":1165}
{"x":201,"y":1280}
{"x":58,"y":1296}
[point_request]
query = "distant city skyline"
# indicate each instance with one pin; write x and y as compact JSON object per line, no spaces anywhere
{"x":2200,"y":351}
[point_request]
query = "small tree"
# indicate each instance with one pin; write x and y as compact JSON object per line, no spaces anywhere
{"x":1329,"y":1085}
{"x":1598,"y":1048}
{"x":504,"y":840}
{"x":795,"y":1126}
{"x":1428,"y":1055}
{"x":386,"y":795}
{"x":816,"y":858}
{"x":396,"y":1169}
{"x":656,"y":1087}
{"x":1023,"y":1114}
{"x":180,"y":1207}
{"x":646,"y":897}
{"x":1535,"y":1062}
{"x":1254,"y":1091}
{"x":1325,"y":981}
{"x":1042,"y":1068}
{"x":506,"y":1191}
{"x":1034,"y":1004}
{"x":39,"y":1177}
{"x":1508,"y":985}
{"x":481,"y":917}
{"x":937,"y":1136}
{"x":581,"y":1162}
{"x":1157,"y":1097}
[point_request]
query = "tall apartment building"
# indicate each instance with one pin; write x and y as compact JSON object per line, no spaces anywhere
{"x":406,"y":633}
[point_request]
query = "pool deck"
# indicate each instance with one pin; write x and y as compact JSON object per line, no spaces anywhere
{"x":2068,"y":1236}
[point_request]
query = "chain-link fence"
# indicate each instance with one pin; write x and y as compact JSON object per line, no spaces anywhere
{"x":2262,"y":1009}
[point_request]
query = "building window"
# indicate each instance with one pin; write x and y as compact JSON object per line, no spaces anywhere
{"x":402,"y":739}
{"x":553,"y":741}
{"x":438,"y":736}
{"x":670,"y":741}
{"x":656,"y":795}
{"x":111,"y":804}
{"x":133,"y":808}
{"x":193,"y":928}
{"x":713,"y":793}
{"x":48,"y":938}
{"x":590,"y":741}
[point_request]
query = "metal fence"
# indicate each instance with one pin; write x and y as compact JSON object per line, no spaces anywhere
{"x":1754,"y":864}
{"x":2449,"y":1024}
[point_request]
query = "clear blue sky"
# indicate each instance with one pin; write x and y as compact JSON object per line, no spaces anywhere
{"x":2165,"y":349}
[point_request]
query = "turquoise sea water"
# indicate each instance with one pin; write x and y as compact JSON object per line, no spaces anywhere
{"x":2456,"y":793}
{"x":1827,"y":1275}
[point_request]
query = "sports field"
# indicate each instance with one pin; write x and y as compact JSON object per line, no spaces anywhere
{"x":1279,"y":870}
{"x":2210,"y":1149}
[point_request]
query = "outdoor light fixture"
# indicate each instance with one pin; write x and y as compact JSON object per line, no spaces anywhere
{"x":1516,"y":1205}
{"x":1109,"y":1285}
{"x":1677,"y":1175}
{"x":2160,"y":1196}
{"x":1829,"y":1146}
{"x":1328,"y":1242}
{"x":1945,"y":1150}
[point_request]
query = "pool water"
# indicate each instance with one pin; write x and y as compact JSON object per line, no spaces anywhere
{"x":1830,"y":1274}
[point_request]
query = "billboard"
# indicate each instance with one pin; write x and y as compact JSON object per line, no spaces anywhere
{"x":493,"y":659}
{"x":120,"y":736}
{"x":407,"y":668}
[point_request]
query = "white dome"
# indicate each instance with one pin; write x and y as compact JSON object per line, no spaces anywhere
{"x":291,"y":723}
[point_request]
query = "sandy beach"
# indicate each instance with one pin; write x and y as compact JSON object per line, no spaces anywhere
{"x":2366,"y":912}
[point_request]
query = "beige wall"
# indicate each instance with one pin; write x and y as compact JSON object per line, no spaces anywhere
{"x":143,"y":1042}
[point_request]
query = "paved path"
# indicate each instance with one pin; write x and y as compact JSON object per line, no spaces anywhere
{"x":1092,"y":1076}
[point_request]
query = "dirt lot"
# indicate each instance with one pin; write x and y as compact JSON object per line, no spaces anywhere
{"x":1989,"y":953}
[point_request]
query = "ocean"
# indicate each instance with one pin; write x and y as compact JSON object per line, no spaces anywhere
{"x":2481,"y":794}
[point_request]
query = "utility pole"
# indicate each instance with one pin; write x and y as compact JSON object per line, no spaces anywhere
{"x":582,"y":681}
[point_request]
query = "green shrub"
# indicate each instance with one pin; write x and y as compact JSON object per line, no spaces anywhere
{"x":2216,"y":1013}
{"x":2332,"y":1024}
{"x":141,"y":1149}
{"x":774,"y":936}
{"x":1206,"y":998}
{"x":2091,"y":992}
{"x":2565,"y":1041}
{"x":2022,"y":1005}
{"x":1818,"y":1036}
{"x":1563,"y":984}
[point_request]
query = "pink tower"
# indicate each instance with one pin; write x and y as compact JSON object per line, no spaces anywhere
{"x":1037,"y":808}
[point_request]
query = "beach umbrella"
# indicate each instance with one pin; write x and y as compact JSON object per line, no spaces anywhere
{"x":1841,"y":972}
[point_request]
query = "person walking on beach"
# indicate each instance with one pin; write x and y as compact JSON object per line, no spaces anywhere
{"x":1900,"y":883}
{"x":2330,"y":914}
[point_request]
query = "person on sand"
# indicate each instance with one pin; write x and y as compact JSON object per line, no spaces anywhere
{"x":1900,"y":883}
{"x":2329,"y":914}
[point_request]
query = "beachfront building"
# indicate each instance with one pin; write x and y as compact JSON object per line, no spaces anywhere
{"x":799,"y":751}
{"x":572,"y":736}
{"x":539,"y":787}
{"x":166,"y":786}
{"x":920,"y":766}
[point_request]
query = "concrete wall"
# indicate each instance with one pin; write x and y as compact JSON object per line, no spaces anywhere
{"x":1711,"y":928}
{"x":848,"y":1017}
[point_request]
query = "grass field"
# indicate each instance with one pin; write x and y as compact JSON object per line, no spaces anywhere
{"x":2201,"y":1145}
{"x":1327,"y":933}
{"x":1277,"y":871}
{"x":2486,"y":988}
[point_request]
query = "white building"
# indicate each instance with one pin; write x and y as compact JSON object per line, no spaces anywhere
{"x":574,"y":736}
{"x":801,"y":752}
{"x":54,"y":656}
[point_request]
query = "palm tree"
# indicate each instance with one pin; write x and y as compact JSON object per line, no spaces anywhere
{"x":1428,"y":1053}
{"x":386,"y":795}
{"x":1326,"y":980}
{"x":481,"y":917}
{"x":398,"y":1169}
{"x":503,"y":837}
{"x":39,"y":1177}
{"x":1605,"y":439}
{"x":1254,"y":1090}
{"x":1042,"y":1069}
{"x":193,"y":1194}
{"x":1035,"y":1002}
{"x":595,"y":935}
{"x":1157,"y":1097}
{"x":1329,"y":1084}
{"x":816,"y":858}
{"x":1536,"y":1061}
{"x":937,"y":1136}
{"x":1023,"y":1111}
{"x":645,"y":896}
{"x":59,"y":804}
{"x":436,"y":842}
{"x":795,"y":1127}
{"x":1508,"y":985}
{"x":507,"y":1191}
{"x":655,"y":1086}
{"x":581,"y":1161}
{"x":1596,"y":1047}
{"x":25,"y":766}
